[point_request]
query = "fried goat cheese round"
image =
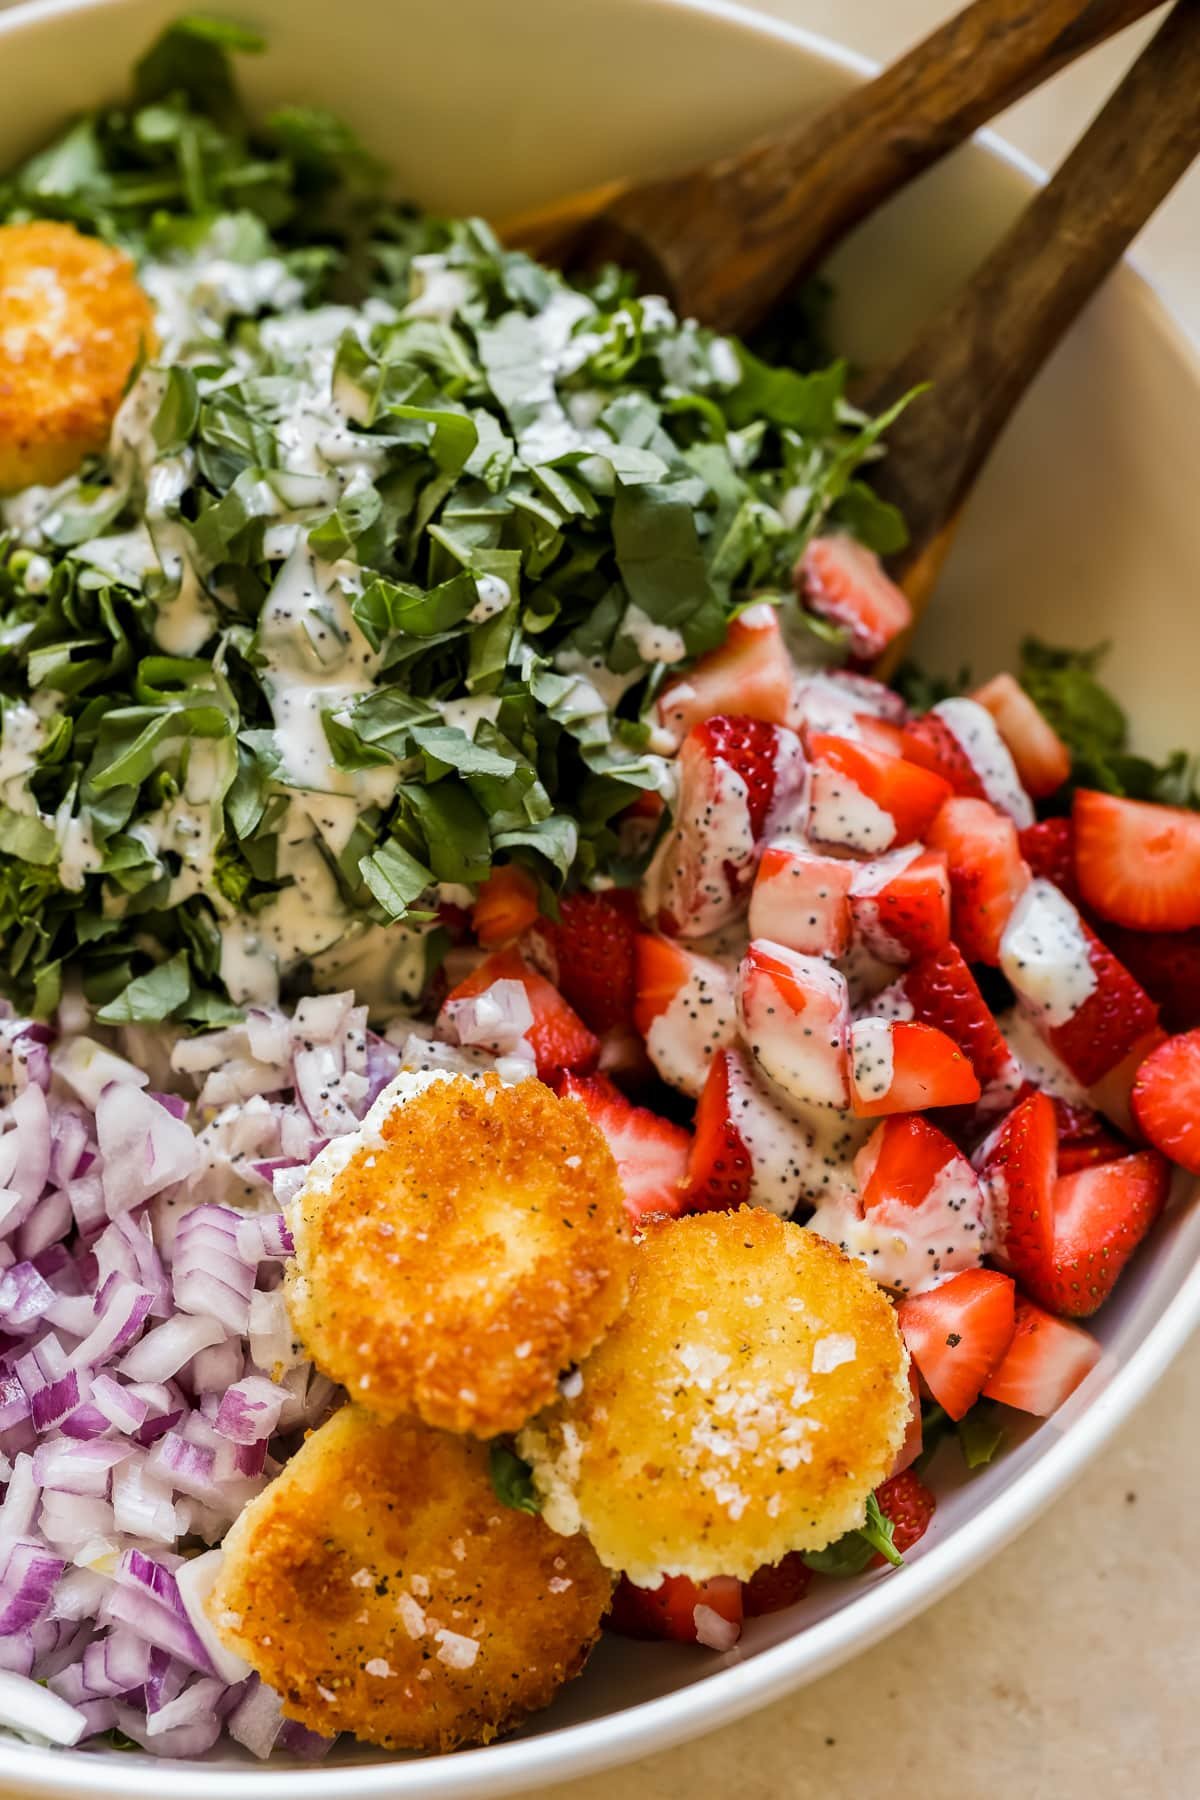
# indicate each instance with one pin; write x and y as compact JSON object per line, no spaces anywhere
{"x":749,"y":1399}
{"x":381,"y":1588}
{"x":459,"y":1252}
{"x":73,"y":322}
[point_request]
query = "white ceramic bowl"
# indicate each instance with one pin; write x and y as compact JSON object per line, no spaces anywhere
{"x":1084,"y":528}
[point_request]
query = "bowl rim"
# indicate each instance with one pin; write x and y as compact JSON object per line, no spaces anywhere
{"x":739,"y":1688}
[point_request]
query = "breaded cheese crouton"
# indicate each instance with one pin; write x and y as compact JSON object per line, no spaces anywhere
{"x":72,"y":322}
{"x":749,"y":1399}
{"x":381,"y":1588}
{"x":460,"y":1251}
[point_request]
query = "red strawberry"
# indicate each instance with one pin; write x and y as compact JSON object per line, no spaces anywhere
{"x":1043,"y":760}
{"x":751,"y":673}
{"x":590,"y":955}
{"x":845,"y":583}
{"x":720,"y":1173}
{"x":930,"y":742}
{"x":800,"y":900}
{"x":1138,"y":864}
{"x":957,"y":1334}
{"x":1101,"y":1215}
{"x":669,"y":1610}
{"x":795,"y":1016}
{"x":900,"y":904}
{"x":942,"y":991}
{"x":752,"y":748}
{"x":1166,"y":1099}
{"x":914,"y":1438}
{"x":1083,"y":1138}
{"x":879,"y":734}
{"x":987,"y":873}
{"x":748,"y":1148}
{"x":505,"y":906}
{"x":908,"y":1503}
{"x":558,"y":1036}
{"x":1109,"y":1023}
{"x":684,"y":1010}
{"x":901,"y":1161}
{"x":1112,"y":1095}
{"x":1167,"y":965}
{"x":853,"y":785}
{"x":1049,"y":849}
{"x":651,"y":1154}
{"x":1044,"y":1364}
{"x":897,"y":1066}
{"x":776,"y":1586}
{"x":1021,"y":1168}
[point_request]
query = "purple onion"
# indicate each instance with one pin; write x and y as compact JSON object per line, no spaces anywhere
{"x":27,"y":1581}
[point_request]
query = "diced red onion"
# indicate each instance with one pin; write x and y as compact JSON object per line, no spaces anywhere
{"x":86,"y":1195}
{"x":27,"y":1577}
{"x":123,"y":1311}
{"x":69,"y":1139}
{"x":250,"y":1409}
{"x":88,"y":1068}
{"x":31,"y":1128}
{"x":87,"y":1421}
{"x":50,"y":1220}
{"x":320,"y":1018}
{"x":119,"y":1404}
{"x":143,"y":1505}
{"x":299,"y":1741}
{"x":69,"y":1521}
{"x":79,"y":1593}
{"x":24,"y":1296}
{"x":78,"y":1468}
{"x":216,"y":1368}
{"x":257,"y":1719}
{"x":196,"y":1580}
{"x":264,"y":1235}
{"x":14,"y":1401}
{"x":32,"y":1711}
{"x":16,"y":1652}
{"x":164,"y":1350}
{"x":144,"y":1149}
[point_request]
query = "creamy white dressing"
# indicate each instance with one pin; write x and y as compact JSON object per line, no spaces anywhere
{"x":802,"y":902}
{"x":840,"y":813}
{"x":696,"y":878}
{"x":653,"y":642}
{"x":803,"y":1051}
{"x":872,"y":1059}
{"x":1037,"y":1061}
{"x":698,"y":1021}
{"x":975,"y":730}
{"x":1045,"y":955}
{"x":912,"y":1249}
{"x":797,"y":1153}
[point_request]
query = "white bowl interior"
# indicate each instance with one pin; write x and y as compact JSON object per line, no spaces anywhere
{"x":1082,"y":530}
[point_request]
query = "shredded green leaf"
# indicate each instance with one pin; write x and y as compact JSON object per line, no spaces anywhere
{"x":512,"y":1479}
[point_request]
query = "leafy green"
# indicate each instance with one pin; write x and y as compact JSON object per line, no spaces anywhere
{"x":512,"y":1479}
{"x":849,"y":1555}
{"x":980,"y":1434}
{"x":151,"y":997}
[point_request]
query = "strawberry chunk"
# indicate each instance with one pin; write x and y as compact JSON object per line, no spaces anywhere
{"x":957,"y":1334}
{"x":900,"y":904}
{"x":1083,"y":1138}
{"x":505,"y":906}
{"x":1021,"y":1169}
{"x":1044,"y":1364}
{"x":720,"y":1173}
{"x":794,"y":1012}
{"x":684,"y":1009}
{"x":1166,"y":1099}
{"x":1101,"y":1215}
{"x":749,"y":1149}
{"x":930,"y":742}
{"x":897,"y":1066}
{"x":844,"y":582}
{"x":651,"y":1153}
{"x":914,"y":1437}
{"x":987,"y":873}
{"x":589,"y":955}
{"x":942,"y":991}
{"x":800,"y":899}
{"x":1167,"y":965}
{"x":865,"y":800}
{"x":1138,"y":864}
{"x":909,"y":1504}
{"x":1049,"y":849}
{"x":776,"y":1586}
{"x":680,"y":1609}
{"x":1043,"y":760}
{"x":751,"y":673}
{"x":558,"y":1037}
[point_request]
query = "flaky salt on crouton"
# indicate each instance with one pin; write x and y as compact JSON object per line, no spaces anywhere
{"x":749,"y":1399}
{"x":381,"y":1588}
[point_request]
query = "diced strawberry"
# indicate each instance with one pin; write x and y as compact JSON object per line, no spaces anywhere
{"x":776,"y":1586}
{"x":799,"y":899}
{"x":838,"y":701}
{"x":974,"y":729}
{"x":1101,"y":1215}
{"x":866,"y":800}
{"x":737,"y":778}
{"x":987,"y":873}
{"x":909,"y":1504}
{"x":930,"y":742}
{"x":1138,"y":864}
{"x":558,"y":1036}
{"x":957,"y":1334}
{"x":1166,"y":1099}
{"x":897,"y":1066}
{"x":1083,"y":1138}
{"x":795,"y":1016}
{"x":684,"y":1009}
{"x":1167,"y":965}
{"x":751,"y":674}
{"x":844,"y":582}
{"x":879,"y":734}
{"x":505,"y":906}
{"x":942,"y":991}
{"x":749,"y":1149}
{"x":1044,"y":1364}
{"x":1112,"y":1095}
{"x":914,"y":1437}
{"x":1021,"y":1169}
{"x":900,"y":904}
{"x":650,"y":1152}
{"x":669,"y":1610}
{"x":589,"y":954}
{"x":1049,"y":849}
{"x":901,"y":1161}
{"x":1043,"y":760}
{"x":720,"y":1173}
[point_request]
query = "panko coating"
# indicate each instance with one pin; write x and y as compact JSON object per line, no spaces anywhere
{"x":458,"y":1253}
{"x":73,"y":321}
{"x":381,"y":1588}
{"x":750,"y":1398}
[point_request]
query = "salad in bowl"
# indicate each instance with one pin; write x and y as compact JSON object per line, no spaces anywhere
{"x":528,"y":1073}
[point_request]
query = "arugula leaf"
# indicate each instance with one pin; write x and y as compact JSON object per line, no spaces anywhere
{"x":980,"y":1434}
{"x":849,"y":1555}
{"x":150,"y":998}
{"x":395,"y":878}
{"x":512,"y":1479}
{"x":658,"y":553}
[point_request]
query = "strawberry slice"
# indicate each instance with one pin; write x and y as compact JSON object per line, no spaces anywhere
{"x":720,"y":1174}
{"x":987,"y":873}
{"x":865,"y":800}
{"x":505,"y":906}
{"x":960,"y":740}
{"x":558,"y":1036}
{"x":749,"y":1149}
{"x":900,"y":904}
{"x":1044,"y":1364}
{"x":844,"y":582}
{"x":1043,"y":760}
{"x":684,"y":1009}
{"x":958,"y":1333}
{"x":1049,"y":849}
{"x":776,"y":1586}
{"x":588,"y":953}
{"x":1166,"y":1099}
{"x":751,"y":673}
{"x":799,"y":899}
{"x":909,"y":1504}
{"x":1167,"y":965}
{"x":651,"y":1154}
{"x":683,"y":1610}
{"x":1101,"y":1215}
{"x":794,"y":1012}
{"x":1020,"y":1166}
{"x":1083,"y":1138}
{"x":930,"y":742}
{"x":897,"y":1066}
{"x":1138,"y":864}
{"x":942,"y":991}
{"x":878,"y":734}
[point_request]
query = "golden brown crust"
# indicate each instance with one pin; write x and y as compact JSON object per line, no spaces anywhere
{"x":338,"y":1579}
{"x":751,"y":1396}
{"x":456,"y":1266}
{"x":72,"y":322}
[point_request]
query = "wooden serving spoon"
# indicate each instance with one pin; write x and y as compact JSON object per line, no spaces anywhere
{"x":723,"y":242}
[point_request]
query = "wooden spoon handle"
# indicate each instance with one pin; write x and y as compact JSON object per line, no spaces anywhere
{"x":726,"y":240}
{"x":982,"y":350}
